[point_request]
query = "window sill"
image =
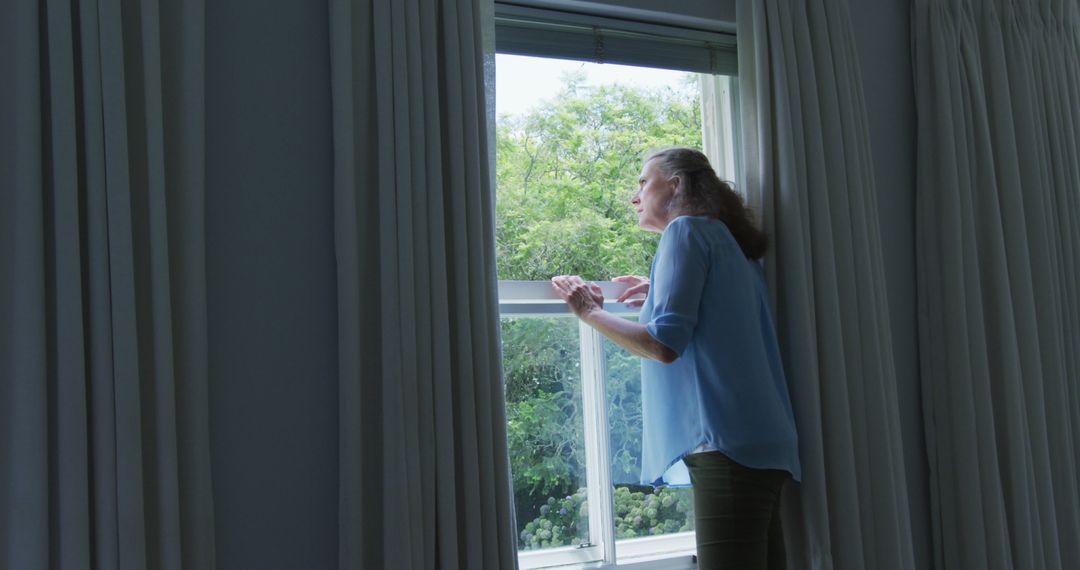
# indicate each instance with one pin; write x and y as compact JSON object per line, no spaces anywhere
{"x":667,"y":552}
{"x":668,"y":561}
{"x":683,"y":561}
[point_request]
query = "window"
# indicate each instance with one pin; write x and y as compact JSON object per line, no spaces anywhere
{"x":570,"y":134}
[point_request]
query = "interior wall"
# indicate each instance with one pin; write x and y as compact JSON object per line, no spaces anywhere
{"x":883,"y":42}
{"x":271,"y":284}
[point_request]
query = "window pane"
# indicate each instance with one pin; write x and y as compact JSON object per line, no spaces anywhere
{"x":541,"y":366}
{"x":570,"y":137}
{"x":639,"y":510}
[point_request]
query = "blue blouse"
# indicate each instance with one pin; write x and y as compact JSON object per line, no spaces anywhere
{"x":726,"y":391}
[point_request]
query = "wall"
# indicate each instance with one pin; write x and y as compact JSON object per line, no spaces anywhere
{"x":271,"y":284}
{"x":882,"y":37}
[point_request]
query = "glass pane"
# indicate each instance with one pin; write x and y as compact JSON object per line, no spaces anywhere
{"x":639,"y":510}
{"x":569,"y":140}
{"x":542,"y":368}
{"x":570,"y":137}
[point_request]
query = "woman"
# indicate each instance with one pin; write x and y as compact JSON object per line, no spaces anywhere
{"x":714,"y":397}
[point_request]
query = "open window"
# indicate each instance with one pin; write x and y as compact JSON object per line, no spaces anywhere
{"x":580,"y":99}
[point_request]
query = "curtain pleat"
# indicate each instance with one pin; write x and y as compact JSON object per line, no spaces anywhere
{"x":997,"y":218}
{"x":424,"y":480}
{"x":107,"y":417}
{"x":809,"y":174}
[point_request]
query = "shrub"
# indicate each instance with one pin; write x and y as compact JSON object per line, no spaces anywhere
{"x":664,"y":511}
{"x":564,"y":522}
{"x":558,"y":523}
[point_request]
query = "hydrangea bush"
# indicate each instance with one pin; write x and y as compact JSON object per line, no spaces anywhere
{"x":564,"y":522}
{"x":664,"y":511}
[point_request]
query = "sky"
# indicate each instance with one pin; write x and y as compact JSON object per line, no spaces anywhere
{"x":521,"y":82}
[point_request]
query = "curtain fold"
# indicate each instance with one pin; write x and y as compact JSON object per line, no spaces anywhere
{"x":105,"y":445}
{"x":424,"y":467}
{"x":998,"y":225}
{"x":808,"y":173}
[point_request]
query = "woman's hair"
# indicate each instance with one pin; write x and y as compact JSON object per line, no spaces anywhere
{"x":701,"y":193}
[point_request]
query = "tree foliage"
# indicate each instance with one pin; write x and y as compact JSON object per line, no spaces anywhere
{"x":566,"y":172}
{"x":564,"y":522}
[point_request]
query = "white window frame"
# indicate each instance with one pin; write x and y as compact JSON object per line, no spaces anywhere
{"x":538,"y":299}
{"x":676,"y":551}
{"x":664,"y":552}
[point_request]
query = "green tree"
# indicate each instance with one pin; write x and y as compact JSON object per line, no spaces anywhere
{"x":566,"y":172}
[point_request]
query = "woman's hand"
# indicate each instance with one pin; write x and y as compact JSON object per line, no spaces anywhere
{"x":583,"y":298}
{"x":638,"y":288}
{"x":587,"y":302}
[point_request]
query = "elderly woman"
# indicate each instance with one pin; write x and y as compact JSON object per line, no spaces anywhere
{"x":714,"y":397}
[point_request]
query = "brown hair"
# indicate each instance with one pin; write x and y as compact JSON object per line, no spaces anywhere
{"x":701,"y":193}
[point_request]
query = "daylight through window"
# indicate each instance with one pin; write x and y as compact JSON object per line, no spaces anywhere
{"x":570,"y":137}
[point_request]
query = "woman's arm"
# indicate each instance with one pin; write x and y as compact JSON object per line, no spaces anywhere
{"x":587,"y":302}
{"x":630,"y":335}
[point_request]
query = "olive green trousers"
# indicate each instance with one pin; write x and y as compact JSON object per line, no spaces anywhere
{"x":736,"y":514}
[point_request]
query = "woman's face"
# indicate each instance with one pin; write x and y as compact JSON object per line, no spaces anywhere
{"x":652,"y":198}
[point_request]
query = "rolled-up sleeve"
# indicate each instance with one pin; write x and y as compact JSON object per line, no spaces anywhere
{"x":678,"y":278}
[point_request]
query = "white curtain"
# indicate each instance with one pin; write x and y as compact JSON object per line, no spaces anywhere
{"x":808,"y":171}
{"x":424,"y":468}
{"x":104,"y":451}
{"x":998,"y":225}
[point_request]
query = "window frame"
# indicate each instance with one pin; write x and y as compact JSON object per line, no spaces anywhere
{"x":544,"y":32}
{"x":674,"y":551}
